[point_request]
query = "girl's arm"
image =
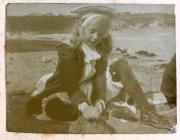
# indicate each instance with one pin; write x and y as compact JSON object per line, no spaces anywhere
{"x":101,"y":66}
{"x":100,"y":79}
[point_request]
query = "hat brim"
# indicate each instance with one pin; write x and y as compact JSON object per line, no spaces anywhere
{"x":94,"y":9}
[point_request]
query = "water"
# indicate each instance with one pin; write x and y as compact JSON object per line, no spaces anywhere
{"x":158,"y":40}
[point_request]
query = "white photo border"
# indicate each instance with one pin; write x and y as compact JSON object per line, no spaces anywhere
{"x":4,"y":135}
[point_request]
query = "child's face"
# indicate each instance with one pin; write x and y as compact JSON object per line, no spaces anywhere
{"x":94,"y":32}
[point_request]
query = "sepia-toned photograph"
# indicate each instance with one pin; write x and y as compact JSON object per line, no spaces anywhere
{"x":78,"y":68}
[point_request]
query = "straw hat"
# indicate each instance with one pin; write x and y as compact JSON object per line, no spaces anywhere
{"x":94,"y":9}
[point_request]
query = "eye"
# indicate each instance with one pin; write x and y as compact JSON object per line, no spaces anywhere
{"x":92,"y":31}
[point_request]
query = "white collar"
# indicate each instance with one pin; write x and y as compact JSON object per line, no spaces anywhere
{"x":90,"y":54}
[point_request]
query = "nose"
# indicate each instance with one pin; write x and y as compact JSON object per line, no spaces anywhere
{"x":95,"y":37}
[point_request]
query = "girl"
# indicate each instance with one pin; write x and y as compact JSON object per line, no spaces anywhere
{"x":78,"y":85}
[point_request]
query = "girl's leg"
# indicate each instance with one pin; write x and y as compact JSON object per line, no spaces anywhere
{"x":148,"y":113}
{"x":57,"y":110}
{"x":125,"y":74}
{"x":33,"y":106}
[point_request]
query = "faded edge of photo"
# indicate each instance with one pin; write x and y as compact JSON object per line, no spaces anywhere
{"x":41,"y":59}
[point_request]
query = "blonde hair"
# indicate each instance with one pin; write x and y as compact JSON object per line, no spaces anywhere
{"x":105,"y":46}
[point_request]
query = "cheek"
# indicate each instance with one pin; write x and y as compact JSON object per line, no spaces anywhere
{"x":99,"y":38}
{"x":85,"y":36}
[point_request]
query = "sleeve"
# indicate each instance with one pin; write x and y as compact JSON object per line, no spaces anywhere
{"x":78,"y":97}
{"x":65,"y":51}
{"x":101,"y":67}
{"x":64,"y":77}
{"x":99,"y":82}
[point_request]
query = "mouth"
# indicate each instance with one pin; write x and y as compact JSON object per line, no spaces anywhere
{"x":94,"y":42}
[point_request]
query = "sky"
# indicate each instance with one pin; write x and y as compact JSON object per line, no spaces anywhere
{"x":26,"y":9}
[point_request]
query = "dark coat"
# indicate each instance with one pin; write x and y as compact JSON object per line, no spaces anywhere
{"x":68,"y":73}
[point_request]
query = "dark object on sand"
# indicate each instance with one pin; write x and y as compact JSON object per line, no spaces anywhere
{"x":133,"y":57}
{"x":145,"y":53}
{"x":118,"y":49}
{"x":168,"y":86}
{"x":83,"y":126}
{"x":123,"y":51}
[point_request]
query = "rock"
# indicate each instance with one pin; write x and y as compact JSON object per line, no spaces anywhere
{"x":133,"y":57}
{"x":118,"y":49}
{"x":145,"y":53}
{"x":127,"y":55}
{"x":124,"y":51}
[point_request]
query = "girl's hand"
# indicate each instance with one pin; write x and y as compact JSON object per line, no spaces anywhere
{"x":89,"y":112}
{"x":100,"y":106}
